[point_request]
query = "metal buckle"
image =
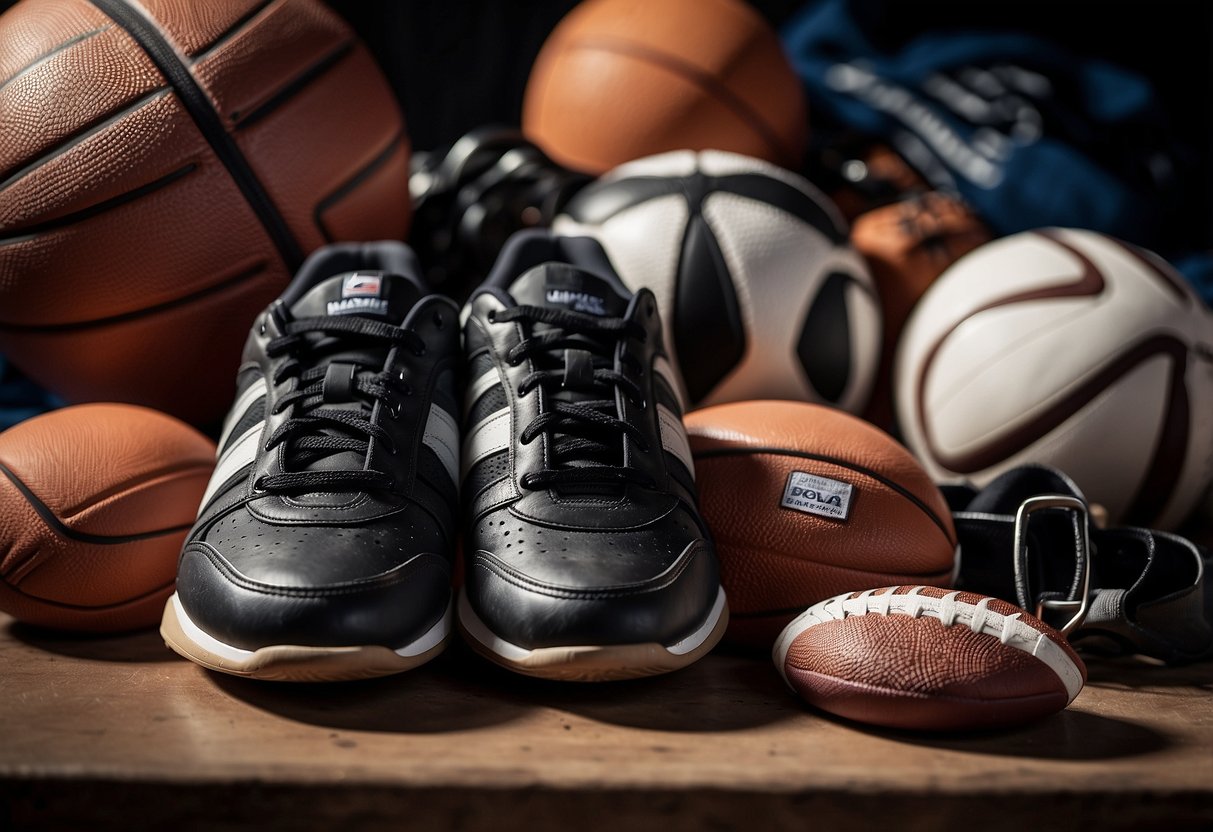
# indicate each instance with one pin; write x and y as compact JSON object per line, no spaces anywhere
{"x":1077,"y":608}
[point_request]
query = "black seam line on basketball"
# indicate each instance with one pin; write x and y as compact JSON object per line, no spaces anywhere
{"x":841,"y":463}
{"x":113,"y":202}
{"x":60,"y":605}
{"x":86,"y":132}
{"x":344,"y":189}
{"x":748,"y":115}
{"x":231,"y":32}
{"x":53,"y":52}
{"x":293,"y":87}
{"x":130,"y":316}
{"x":56,"y":525}
{"x":209,"y":124}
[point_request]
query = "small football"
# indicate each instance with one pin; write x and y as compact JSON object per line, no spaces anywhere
{"x":928,"y":659}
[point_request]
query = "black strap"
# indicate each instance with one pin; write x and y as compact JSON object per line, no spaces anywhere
{"x":1026,"y":538}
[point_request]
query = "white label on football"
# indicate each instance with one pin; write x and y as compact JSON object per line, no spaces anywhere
{"x":817,"y":495}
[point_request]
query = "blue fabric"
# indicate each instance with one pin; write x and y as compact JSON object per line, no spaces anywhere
{"x":20,"y":398}
{"x":1027,"y":132}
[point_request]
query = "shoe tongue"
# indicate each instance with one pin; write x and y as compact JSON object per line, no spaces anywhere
{"x":563,"y":286}
{"x":367,"y":293}
{"x":567,"y":287}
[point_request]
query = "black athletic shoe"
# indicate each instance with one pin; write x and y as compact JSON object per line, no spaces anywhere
{"x":324,"y":544}
{"x":586,"y":558}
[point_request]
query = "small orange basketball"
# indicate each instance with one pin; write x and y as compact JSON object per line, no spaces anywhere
{"x":95,"y":501}
{"x":617,"y":80}
{"x":806,"y":502}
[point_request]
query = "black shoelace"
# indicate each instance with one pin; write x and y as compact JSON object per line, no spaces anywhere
{"x":315,"y":431}
{"x":587,"y":435}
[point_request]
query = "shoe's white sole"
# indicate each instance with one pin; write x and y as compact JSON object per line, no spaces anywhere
{"x":298,"y":663}
{"x":594,"y":663}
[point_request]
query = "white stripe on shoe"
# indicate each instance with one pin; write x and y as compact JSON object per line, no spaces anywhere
{"x":442,"y":437}
{"x":491,"y":436}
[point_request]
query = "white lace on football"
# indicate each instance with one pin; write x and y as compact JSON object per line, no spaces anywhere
{"x":1008,"y":629}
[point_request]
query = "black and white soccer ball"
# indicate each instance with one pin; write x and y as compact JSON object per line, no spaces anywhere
{"x":760,"y":292}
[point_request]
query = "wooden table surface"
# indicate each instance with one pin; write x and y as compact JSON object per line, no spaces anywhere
{"x":119,"y":733}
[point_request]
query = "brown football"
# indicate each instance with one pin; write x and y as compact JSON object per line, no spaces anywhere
{"x":928,"y":659}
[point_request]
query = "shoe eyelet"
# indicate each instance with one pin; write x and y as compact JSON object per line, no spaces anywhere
{"x":439,"y":320}
{"x":261,"y":329}
{"x":393,"y":410}
{"x":259,"y":485}
{"x":491,"y":317}
{"x":421,"y":351}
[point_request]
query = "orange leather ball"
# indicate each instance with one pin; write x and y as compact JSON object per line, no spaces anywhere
{"x":618,"y":80}
{"x":95,"y":502}
{"x":806,"y":502}
{"x":164,"y":168}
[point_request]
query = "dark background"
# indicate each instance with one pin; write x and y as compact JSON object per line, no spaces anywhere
{"x":459,"y":64}
{"x":456,"y":64}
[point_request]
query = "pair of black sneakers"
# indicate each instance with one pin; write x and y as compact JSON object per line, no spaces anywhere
{"x":326,"y":541}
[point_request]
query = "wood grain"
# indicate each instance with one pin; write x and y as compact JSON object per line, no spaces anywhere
{"x":118,"y":733}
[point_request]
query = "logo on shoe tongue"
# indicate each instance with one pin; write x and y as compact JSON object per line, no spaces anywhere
{"x":359,"y":293}
{"x":577,"y":301}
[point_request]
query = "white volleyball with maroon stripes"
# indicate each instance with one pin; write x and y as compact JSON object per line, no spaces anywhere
{"x":1070,"y":348}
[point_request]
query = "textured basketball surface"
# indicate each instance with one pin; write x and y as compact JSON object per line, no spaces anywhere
{"x":761,"y":294}
{"x":1068,"y":348}
{"x":804,"y":502}
{"x":925,"y":658}
{"x":620,"y":79}
{"x":95,"y":501}
{"x":164,"y":166}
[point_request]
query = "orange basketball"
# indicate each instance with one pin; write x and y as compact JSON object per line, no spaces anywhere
{"x":617,"y":80}
{"x":806,"y":502}
{"x":95,"y":501}
{"x":164,"y":167}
